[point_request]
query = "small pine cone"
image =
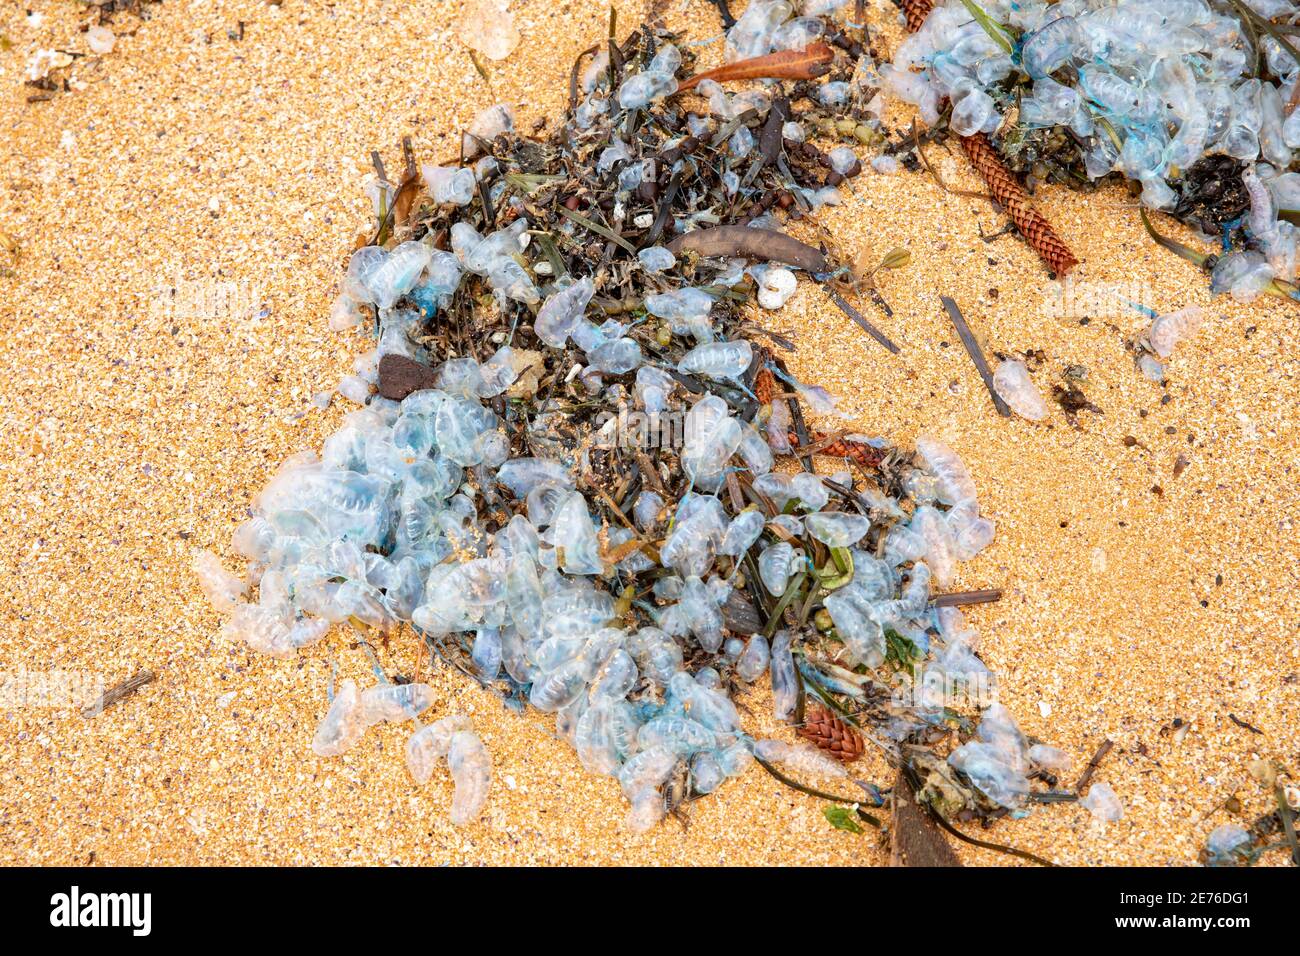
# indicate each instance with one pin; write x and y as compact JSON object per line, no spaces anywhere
{"x":864,"y":454}
{"x":915,"y":12}
{"x":1038,"y":232}
{"x":764,"y":386}
{"x":831,"y":733}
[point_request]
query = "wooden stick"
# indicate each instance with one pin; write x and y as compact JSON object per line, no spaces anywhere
{"x":963,"y":598}
{"x":976,"y":353}
{"x":858,"y":317}
{"x":1106,"y":746}
{"x":914,"y":839}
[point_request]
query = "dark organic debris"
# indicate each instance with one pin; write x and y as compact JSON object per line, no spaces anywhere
{"x":964,"y":598}
{"x":1073,"y":401}
{"x":1106,"y":747}
{"x":861,"y":320}
{"x":399,"y":376}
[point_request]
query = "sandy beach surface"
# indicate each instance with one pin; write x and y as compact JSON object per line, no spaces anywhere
{"x":1147,"y":555}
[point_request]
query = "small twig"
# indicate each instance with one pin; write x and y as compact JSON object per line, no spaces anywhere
{"x":976,"y":353}
{"x":573,"y":75}
{"x":963,"y":598}
{"x":1245,"y":726}
{"x":117,"y":692}
{"x":858,"y":317}
{"x":1054,"y":796}
{"x":1106,"y":746}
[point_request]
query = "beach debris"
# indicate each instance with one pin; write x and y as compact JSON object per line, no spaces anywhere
{"x":861,"y":320}
{"x":915,"y":839}
{"x":976,"y":353}
{"x":752,"y":242}
{"x":1232,"y":844}
{"x":560,"y":477}
{"x":1098,"y":756}
{"x":43,"y":62}
{"x":973,"y":111}
{"x":1038,"y":232}
{"x":831,"y":733}
{"x":805,"y":64}
{"x":1193,"y":105}
{"x":51,"y":71}
{"x":963,"y":598}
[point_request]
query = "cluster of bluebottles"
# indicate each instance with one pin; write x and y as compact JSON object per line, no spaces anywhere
{"x":1144,"y":88}
{"x":631,"y":582}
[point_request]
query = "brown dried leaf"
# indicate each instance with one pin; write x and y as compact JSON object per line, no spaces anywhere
{"x":806,"y":64}
{"x":404,"y":199}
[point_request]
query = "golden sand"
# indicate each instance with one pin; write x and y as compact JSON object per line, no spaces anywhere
{"x":187,"y":158}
